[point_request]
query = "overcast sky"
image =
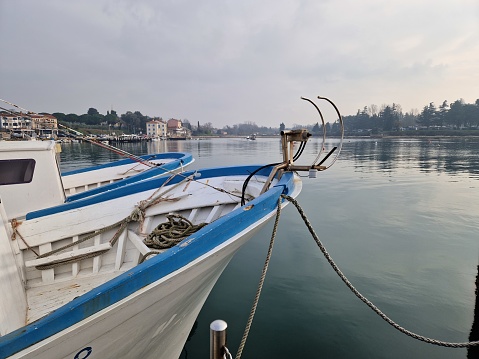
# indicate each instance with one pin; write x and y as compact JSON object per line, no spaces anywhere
{"x":232,"y":61}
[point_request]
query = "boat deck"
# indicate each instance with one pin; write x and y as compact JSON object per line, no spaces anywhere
{"x":46,"y":298}
{"x":49,"y":289}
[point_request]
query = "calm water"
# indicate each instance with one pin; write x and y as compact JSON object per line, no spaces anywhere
{"x":399,"y":217}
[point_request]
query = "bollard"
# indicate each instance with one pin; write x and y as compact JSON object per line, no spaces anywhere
{"x":217,"y":339}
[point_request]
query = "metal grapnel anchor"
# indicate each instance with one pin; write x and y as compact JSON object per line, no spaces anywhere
{"x":289,"y":137}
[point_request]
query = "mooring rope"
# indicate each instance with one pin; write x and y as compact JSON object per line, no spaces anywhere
{"x":261,"y":282}
{"x":362,"y":297}
{"x":343,"y":278}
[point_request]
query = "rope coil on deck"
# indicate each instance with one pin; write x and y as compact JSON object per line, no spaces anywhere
{"x":172,"y":232}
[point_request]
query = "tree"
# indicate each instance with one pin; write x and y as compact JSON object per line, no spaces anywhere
{"x":186,"y":124}
{"x":316,"y":129}
{"x":328,"y":127}
{"x":282,"y":127}
{"x":111,"y":118}
{"x":92,"y":111}
{"x":455,"y":115}
{"x":471,"y":114}
{"x":428,"y":115}
{"x":410,"y":118}
{"x":134,"y":121}
{"x":207,"y":128}
{"x":373,"y":110}
{"x":476,"y":114}
{"x":60,"y":116}
{"x":71,"y":117}
{"x":390,"y":117}
{"x":442,"y":113}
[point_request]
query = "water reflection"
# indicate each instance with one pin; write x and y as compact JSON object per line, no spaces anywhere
{"x":439,"y":155}
{"x":447,"y":156}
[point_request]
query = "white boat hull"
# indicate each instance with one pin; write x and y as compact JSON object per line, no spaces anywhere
{"x":151,"y":323}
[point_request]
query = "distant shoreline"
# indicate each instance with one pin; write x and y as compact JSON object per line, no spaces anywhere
{"x":346,"y":136}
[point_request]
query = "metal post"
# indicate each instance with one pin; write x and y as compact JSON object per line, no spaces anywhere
{"x":217,"y":339}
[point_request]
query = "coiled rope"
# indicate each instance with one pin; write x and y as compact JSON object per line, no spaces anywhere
{"x":172,"y":232}
{"x":343,"y":278}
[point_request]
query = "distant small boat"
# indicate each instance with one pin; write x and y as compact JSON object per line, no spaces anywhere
{"x":251,"y":137}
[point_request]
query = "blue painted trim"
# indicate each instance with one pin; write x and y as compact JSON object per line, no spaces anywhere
{"x":142,"y":186}
{"x":185,"y":160}
{"x":126,"y":161}
{"x":151,"y":270}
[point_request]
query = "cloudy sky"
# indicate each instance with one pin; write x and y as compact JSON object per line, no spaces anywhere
{"x":232,"y":61}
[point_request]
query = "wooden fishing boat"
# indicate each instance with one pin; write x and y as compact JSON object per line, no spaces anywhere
{"x":91,"y":276}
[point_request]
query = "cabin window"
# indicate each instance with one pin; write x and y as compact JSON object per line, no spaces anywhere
{"x":16,"y":171}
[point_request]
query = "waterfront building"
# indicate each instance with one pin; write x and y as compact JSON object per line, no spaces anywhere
{"x":156,"y":128}
{"x":176,"y":129}
{"x":20,"y":124}
{"x":44,"y":125}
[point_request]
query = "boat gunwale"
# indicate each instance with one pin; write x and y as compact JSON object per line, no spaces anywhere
{"x":127,"y":161}
{"x":149,"y":173}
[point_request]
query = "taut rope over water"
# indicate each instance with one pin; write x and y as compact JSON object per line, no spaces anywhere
{"x":343,"y":278}
{"x":362,"y":297}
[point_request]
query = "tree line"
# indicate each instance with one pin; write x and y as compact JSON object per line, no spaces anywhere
{"x":371,"y":119}
{"x":391,"y":118}
{"x":135,"y":122}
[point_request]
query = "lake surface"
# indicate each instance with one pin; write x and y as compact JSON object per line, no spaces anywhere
{"x":399,"y":217}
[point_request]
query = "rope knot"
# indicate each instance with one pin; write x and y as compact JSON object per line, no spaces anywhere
{"x":14,"y":223}
{"x":137,"y":215}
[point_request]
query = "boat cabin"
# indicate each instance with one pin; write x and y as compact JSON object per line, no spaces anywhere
{"x":30,"y":178}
